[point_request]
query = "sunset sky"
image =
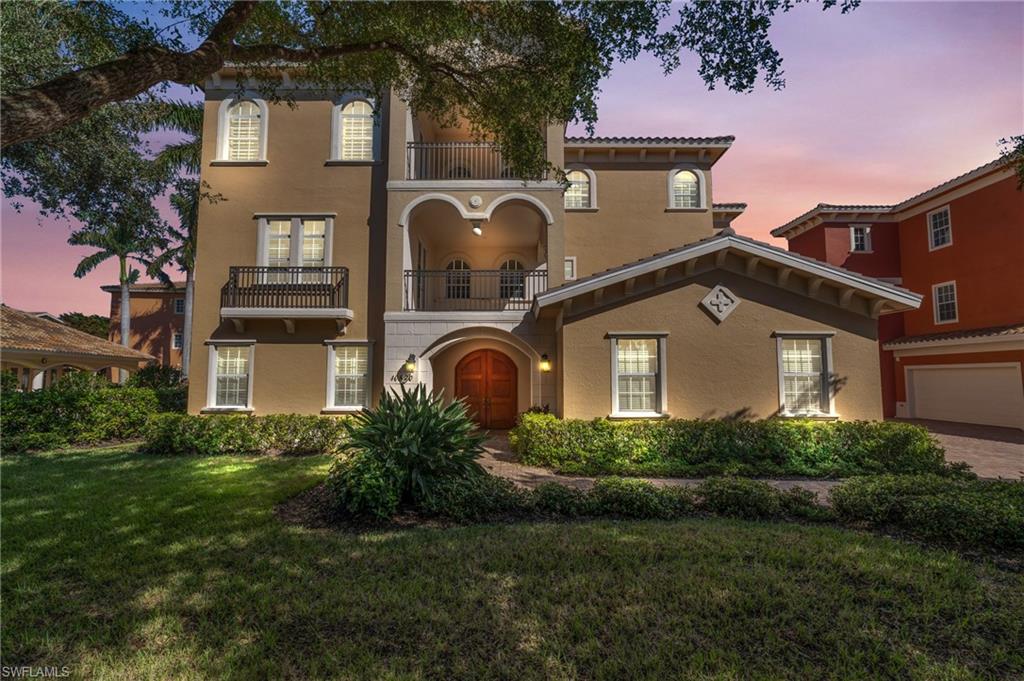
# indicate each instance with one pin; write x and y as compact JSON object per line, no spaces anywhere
{"x":880,"y":104}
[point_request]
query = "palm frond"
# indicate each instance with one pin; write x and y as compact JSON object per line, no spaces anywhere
{"x":90,"y":262}
{"x":181,"y":156}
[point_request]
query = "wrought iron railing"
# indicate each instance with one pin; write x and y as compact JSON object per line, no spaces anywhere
{"x":285,"y":287}
{"x":472,"y":290}
{"x":455,"y":161}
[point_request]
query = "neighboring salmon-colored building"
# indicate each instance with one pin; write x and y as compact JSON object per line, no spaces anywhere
{"x":157,"y":320}
{"x":961,"y":246}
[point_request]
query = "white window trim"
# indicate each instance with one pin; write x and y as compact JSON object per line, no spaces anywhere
{"x":575,"y":272}
{"x":295,"y":254}
{"x":174,"y":336}
{"x":593,"y":188}
{"x":222,"y":130}
{"x":928,"y":226}
{"x":662,"y":387}
{"x":176,"y":301}
{"x":211,"y":377}
{"x":702,"y":187}
{"x":329,"y":406}
{"x":335,"y":151}
{"x":868,"y":247}
{"x":935,"y":303}
{"x":826,"y":337}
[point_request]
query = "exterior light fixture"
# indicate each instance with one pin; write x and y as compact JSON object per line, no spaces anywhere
{"x":477,"y":229}
{"x":405,"y":374}
{"x":410,"y":364}
{"x":545,"y":363}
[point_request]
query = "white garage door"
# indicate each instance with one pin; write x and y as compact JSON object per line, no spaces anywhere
{"x":990,"y":394}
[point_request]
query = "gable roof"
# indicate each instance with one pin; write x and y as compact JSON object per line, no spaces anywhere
{"x":886,"y":209}
{"x":24,"y":331}
{"x":727,"y":239}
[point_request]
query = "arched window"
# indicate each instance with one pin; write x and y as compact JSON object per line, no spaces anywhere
{"x":512,"y":281}
{"x":578,"y":193}
{"x":685,"y":190}
{"x":245,"y":129}
{"x":356,"y":126}
{"x":457,"y":280}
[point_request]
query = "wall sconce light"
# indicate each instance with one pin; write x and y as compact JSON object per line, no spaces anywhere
{"x":477,"y":229}
{"x":405,"y":373}
{"x":545,"y":363}
{"x":410,"y":363}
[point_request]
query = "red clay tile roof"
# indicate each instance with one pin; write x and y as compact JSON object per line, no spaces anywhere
{"x":23,"y":331}
{"x":988,"y":332}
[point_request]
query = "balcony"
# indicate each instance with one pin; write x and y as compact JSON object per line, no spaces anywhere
{"x":472,"y":290}
{"x":455,"y":161}
{"x":285,"y":293}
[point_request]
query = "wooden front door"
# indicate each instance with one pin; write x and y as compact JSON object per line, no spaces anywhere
{"x":487,"y":381}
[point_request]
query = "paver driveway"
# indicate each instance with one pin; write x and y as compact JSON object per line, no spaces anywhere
{"x":990,"y":451}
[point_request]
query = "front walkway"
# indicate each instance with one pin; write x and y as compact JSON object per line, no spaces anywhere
{"x":498,"y":459}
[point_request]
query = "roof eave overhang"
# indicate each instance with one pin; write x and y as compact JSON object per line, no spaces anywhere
{"x":818,"y":216}
{"x":896,"y":298}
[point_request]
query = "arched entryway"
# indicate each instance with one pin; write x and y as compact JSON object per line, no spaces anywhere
{"x":487,"y":380}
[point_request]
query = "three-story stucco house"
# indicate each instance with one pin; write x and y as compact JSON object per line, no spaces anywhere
{"x":362,"y":244}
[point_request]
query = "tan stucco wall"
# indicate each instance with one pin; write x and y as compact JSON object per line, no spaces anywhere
{"x":718,"y":370}
{"x":444,"y":367}
{"x":295,"y":181}
{"x":632,"y":219}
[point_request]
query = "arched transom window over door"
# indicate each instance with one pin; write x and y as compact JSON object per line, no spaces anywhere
{"x":457,"y":280}
{"x":512,"y":280}
{"x":357,"y":131}
{"x":244,"y":131}
{"x":685,"y":190}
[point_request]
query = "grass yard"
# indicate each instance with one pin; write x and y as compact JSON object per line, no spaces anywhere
{"x":120,"y":565}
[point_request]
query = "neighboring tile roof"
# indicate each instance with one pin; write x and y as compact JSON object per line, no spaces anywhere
{"x":24,"y":331}
{"x":176,"y":287}
{"x":729,"y":237}
{"x":666,"y":141}
{"x":988,"y":332}
{"x":892,"y":208}
{"x":729,"y":207}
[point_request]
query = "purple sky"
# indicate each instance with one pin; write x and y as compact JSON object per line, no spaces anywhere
{"x":880,"y":104}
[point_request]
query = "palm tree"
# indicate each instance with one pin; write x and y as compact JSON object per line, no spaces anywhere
{"x":131,"y":232}
{"x":181,"y":157}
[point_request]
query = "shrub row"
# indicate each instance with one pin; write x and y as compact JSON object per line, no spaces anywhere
{"x":78,"y":409}
{"x":699,"y":448}
{"x":290,"y":434}
{"x":977,"y":513}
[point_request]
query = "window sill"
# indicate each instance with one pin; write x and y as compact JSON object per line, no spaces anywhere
{"x":581,"y":210}
{"x":226,"y":410}
{"x":810,"y":416}
{"x":619,"y":415}
{"x":670,"y":209}
{"x":939,"y":248}
{"x":856,"y":252}
{"x":256,"y":163}
{"x":342,"y":162}
{"x":342,"y":410}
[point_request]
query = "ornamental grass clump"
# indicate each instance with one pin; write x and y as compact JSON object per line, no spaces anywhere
{"x":413,"y":441}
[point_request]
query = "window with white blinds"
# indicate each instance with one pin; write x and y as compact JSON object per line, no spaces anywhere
{"x":685,"y":190}
{"x":637,"y":366}
{"x":577,"y":195}
{"x":804,"y":375}
{"x":940,"y":229}
{"x":245,"y":128}
{"x":294,"y":243}
{"x":357,"y":127}
{"x":232,"y":376}
{"x":944,"y":300}
{"x":350,"y":370}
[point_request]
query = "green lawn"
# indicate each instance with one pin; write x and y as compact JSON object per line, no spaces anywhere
{"x":128,"y":566}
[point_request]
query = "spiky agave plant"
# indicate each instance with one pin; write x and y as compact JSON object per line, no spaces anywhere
{"x":423,"y":440}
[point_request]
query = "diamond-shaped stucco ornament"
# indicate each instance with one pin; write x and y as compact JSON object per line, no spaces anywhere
{"x":720,"y":302}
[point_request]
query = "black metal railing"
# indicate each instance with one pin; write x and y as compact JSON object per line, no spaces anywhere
{"x":285,"y":287}
{"x":455,"y":161}
{"x":472,"y":290}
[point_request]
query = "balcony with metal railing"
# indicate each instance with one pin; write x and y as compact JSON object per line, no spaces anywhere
{"x":455,"y":161}
{"x":285,"y":293}
{"x":472,"y":290}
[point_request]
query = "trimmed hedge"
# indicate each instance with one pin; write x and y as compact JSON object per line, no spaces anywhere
{"x":74,"y":411}
{"x":975,"y":513}
{"x":695,"y":448}
{"x":214,"y":434}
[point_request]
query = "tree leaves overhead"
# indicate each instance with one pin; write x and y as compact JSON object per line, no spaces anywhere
{"x":506,"y":66}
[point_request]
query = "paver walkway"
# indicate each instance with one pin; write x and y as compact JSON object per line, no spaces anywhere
{"x":991,"y":452}
{"x":499,"y":460}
